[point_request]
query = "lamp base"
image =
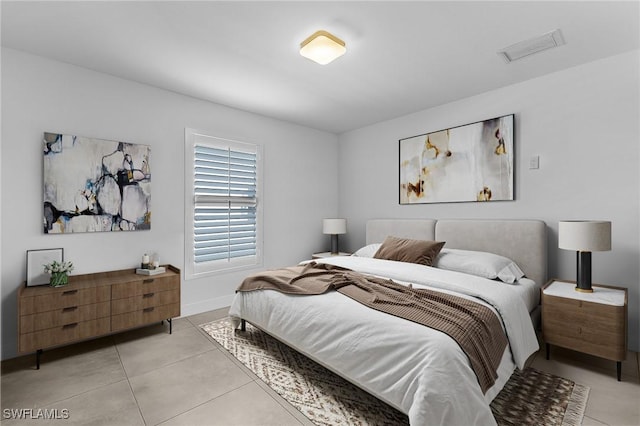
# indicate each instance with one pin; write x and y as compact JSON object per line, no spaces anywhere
{"x":583,"y":263}
{"x":334,"y":244}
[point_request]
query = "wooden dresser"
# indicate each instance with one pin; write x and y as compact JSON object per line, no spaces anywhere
{"x":94,"y":305}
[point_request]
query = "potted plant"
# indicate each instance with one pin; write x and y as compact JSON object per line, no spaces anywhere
{"x":59,"y":272}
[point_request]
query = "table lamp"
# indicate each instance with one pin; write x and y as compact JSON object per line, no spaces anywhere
{"x":334,"y":227}
{"x":584,"y":236}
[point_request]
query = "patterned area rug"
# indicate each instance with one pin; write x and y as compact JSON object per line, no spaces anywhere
{"x":531,"y":397}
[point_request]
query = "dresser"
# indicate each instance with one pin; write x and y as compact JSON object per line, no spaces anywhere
{"x":94,"y":305}
{"x":593,"y":323}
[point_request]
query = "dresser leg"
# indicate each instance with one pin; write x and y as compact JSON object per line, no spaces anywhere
{"x":619,"y":369}
{"x":243,"y":325}
{"x":38,"y":353}
{"x":547,"y":348}
{"x":170,"y":325}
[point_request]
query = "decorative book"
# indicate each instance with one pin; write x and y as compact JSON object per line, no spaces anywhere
{"x":158,"y":270}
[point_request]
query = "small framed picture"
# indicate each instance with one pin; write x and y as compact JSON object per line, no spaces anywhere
{"x":36,"y":259}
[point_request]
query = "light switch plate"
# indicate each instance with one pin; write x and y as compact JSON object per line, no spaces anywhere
{"x":534,"y":162}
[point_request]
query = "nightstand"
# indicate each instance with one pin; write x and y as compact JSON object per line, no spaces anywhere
{"x":328,"y":254}
{"x":593,"y":323}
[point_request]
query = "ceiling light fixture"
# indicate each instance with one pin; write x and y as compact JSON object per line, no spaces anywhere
{"x":322,"y":47}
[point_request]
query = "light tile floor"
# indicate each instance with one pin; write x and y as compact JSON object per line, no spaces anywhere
{"x":148,"y":377}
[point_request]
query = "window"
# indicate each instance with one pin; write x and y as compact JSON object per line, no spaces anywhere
{"x":222,"y":219}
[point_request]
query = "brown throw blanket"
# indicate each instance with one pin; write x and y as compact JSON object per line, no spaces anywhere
{"x":475,"y":328}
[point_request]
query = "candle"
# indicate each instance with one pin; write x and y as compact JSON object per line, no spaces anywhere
{"x":145,"y":258}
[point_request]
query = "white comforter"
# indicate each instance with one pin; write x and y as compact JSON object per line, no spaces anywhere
{"x":418,"y":370}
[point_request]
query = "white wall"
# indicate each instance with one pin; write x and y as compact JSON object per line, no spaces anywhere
{"x":582,"y":122}
{"x":38,"y":95}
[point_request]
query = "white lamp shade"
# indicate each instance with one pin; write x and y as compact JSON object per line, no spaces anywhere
{"x":334,"y":226}
{"x":584,"y":235}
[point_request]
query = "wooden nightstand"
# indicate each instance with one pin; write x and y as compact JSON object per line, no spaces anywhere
{"x":328,"y":254}
{"x":593,"y":323}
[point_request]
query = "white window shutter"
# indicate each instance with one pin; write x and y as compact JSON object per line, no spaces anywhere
{"x":225,"y":214}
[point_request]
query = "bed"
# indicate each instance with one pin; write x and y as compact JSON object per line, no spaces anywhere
{"x":418,"y":370}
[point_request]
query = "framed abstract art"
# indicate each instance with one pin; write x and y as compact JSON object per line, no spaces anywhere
{"x":473,"y":162}
{"x":95,"y":185}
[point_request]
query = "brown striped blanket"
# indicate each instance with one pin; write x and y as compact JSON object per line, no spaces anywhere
{"x":475,"y":328}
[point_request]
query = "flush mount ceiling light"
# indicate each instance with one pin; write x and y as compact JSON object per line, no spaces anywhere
{"x":534,"y":45}
{"x":322,"y":47}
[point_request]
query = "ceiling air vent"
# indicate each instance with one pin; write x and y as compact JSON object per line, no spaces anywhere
{"x":531,"y":46}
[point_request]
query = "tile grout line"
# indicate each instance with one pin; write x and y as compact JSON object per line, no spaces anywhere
{"x":57,"y":401}
{"x":252,"y":380}
{"x":277,"y":400}
{"x":129,"y":382}
{"x":594,"y":419}
{"x":203,"y":403}
{"x":167,"y":365}
{"x":164,"y":366}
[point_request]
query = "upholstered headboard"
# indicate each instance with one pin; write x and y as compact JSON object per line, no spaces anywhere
{"x":418,"y":229}
{"x":523,"y":241}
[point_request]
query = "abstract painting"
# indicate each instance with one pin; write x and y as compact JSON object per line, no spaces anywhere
{"x":95,"y":185}
{"x":473,"y":162}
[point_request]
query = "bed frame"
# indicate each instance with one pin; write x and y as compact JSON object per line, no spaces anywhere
{"x":523,"y":241}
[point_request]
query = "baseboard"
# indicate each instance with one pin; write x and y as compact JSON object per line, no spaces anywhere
{"x":206,"y":305}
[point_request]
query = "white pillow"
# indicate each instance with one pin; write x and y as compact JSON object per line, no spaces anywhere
{"x":482,"y":264}
{"x":367,"y":251}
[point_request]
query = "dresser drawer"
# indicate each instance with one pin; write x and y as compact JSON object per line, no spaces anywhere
{"x":579,"y":311}
{"x":586,"y":338}
{"x":30,"y":342}
{"x":63,"y":298}
{"x":144,"y":316}
{"x":146,"y":300}
{"x":145,"y":286}
{"x":68,"y":315}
